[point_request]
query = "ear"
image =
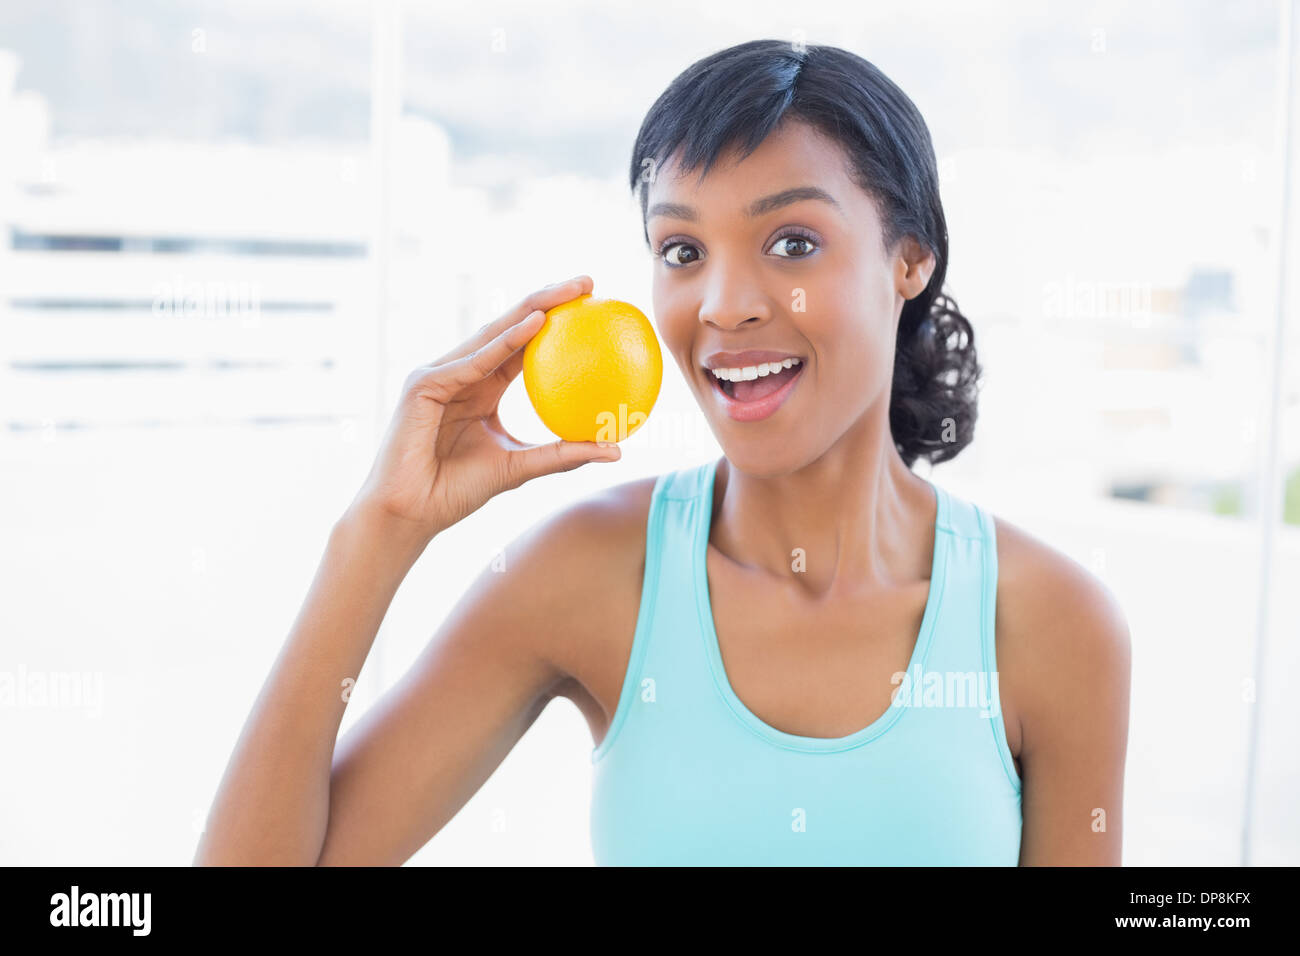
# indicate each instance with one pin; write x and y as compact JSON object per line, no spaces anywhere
{"x":913,"y":266}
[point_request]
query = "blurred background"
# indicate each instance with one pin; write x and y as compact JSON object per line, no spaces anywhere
{"x":229,"y":229}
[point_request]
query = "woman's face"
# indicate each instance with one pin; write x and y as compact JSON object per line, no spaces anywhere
{"x":781,"y":253}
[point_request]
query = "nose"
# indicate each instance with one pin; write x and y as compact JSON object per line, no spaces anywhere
{"x":733,"y":299}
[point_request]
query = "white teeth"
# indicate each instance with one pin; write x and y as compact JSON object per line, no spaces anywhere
{"x":751,"y":372}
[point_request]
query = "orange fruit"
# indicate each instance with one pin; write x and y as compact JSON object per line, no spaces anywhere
{"x":593,"y":369}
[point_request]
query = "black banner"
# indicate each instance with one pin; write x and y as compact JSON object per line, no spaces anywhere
{"x":1172,"y":904}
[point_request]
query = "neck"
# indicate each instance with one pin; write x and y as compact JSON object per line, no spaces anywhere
{"x":863,"y":519}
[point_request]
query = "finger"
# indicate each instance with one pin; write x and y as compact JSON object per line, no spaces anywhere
{"x":511,"y":367}
{"x":506,"y":373}
{"x":445,"y":381}
{"x":555,"y":457}
{"x":544,"y":299}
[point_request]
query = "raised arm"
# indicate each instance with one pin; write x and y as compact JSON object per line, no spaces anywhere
{"x":284,"y":799}
{"x":417,"y":756}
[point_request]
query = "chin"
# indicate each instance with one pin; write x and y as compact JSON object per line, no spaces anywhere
{"x":758,"y":460}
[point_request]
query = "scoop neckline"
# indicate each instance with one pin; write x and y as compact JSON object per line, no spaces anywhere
{"x":713,"y":651}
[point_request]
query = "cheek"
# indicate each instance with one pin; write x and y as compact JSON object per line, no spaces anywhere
{"x":673,"y":322}
{"x":853,"y":336}
{"x":869,"y":299}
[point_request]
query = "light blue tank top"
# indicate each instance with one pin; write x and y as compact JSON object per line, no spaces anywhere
{"x":688,"y":775}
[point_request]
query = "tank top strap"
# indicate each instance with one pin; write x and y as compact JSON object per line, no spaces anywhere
{"x":964,"y":648}
{"x":960,"y":517}
{"x":689,"y":484}
{"x":681,"y":502}
{"x":667,"y":667}
{"x":965,"y":611}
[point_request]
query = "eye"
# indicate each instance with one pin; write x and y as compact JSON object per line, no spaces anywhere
{"x":668,"y":246}
{"x":801,"y":239}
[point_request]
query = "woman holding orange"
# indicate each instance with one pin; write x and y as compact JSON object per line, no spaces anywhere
{"x":770,"y":648}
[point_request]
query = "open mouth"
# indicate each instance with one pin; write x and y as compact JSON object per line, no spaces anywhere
{"x":760,"y":382}
{"x":754,"y":393}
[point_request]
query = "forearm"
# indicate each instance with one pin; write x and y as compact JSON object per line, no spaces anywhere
{"x":272,"y":806}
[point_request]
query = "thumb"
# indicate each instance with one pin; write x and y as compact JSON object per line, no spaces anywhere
{"x":558,"y":456}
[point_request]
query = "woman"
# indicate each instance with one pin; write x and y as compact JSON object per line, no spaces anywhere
{"x":801,"y":653}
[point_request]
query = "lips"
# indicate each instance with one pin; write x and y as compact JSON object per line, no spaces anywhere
{"x":756,"y":399}
{"x":745,"y":358}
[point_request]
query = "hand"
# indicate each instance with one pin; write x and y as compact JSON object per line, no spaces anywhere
{"x":445,"y":453}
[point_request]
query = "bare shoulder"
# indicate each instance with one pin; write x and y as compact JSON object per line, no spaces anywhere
{"x":583,"y":565}
{"x":1062,"y":638}
{"x":592,"y":539}
{"x":1064,"y":664}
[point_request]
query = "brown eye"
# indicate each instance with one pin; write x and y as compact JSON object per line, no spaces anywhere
{"x":799,"y":247}
{"x":673,"y":258}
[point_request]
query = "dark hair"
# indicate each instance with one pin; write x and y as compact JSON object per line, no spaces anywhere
{"x":737,"y":96}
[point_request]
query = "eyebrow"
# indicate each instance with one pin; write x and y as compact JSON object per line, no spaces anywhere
{"x":758,"y":208}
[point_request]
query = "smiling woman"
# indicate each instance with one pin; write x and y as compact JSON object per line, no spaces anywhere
{"x":838,"y":119}
{"x":734,"y":632}
{"x":798,"y":284}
